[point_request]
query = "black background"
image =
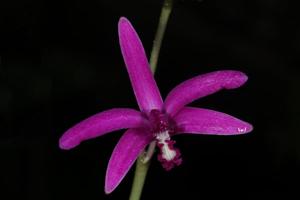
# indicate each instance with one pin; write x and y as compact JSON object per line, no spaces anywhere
{"x":61,"y":62}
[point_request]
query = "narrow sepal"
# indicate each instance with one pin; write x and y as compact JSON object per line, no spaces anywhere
{"x":205,"y":121}
{"x":201,"y":86}
{"x":144,"y":86}
{"x":124,"y":155}
{"x":100,"y":124}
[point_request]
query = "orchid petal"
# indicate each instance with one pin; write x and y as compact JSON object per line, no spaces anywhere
{"x":142,"y":80}
{"x":204,"y":121}
{"x":100,"y":124}
{"x":124,"y":155}
{"x":201,"y":86}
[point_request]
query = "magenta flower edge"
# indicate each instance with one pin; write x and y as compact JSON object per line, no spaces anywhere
{"x":157,"y":120}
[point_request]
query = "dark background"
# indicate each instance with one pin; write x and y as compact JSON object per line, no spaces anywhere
{"x":61,"y":62}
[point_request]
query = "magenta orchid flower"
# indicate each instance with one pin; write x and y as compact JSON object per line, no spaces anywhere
{"x":157,"y":120}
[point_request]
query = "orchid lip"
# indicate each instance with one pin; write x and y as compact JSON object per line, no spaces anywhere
{"x":162,"y":127}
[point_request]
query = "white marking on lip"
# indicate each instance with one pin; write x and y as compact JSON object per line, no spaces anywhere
{"x":167,"y":153}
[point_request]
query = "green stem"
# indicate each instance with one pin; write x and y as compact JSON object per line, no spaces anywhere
{"x":163,"y":20}
{"x":141,"y":166}
{"x":139,"y":178}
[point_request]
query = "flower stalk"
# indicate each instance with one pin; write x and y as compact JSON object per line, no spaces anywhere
{"x":143,"y":162}
{"x":162,"y":25}
{"x":139,"y":178}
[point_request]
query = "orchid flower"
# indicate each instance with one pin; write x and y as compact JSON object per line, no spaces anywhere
{"x":157,"y":120}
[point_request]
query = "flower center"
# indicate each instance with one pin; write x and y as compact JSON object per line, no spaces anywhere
{"x":162,"y":128}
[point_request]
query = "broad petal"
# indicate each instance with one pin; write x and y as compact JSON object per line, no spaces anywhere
{"x":204,"y":121}
{"x":100,"y":124}
{"x":201,"y":86}
{"x":141,"y":77}
{"x":124,"y":155}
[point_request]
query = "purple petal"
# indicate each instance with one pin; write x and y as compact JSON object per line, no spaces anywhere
{"x":100,"y":124}
{"x":142,"y":81}
{"x":201,"y":86}
{"x":204,"y":121}
{"x":124,"y":155}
